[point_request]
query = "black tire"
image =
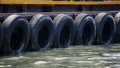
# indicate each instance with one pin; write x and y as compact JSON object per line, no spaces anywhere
{"x":85,"y":29}
{"x":42,"y":32}
{"x":117,"y":21}
{"x":106,"y":28}
{"x":1,"y":35}
{"x":64,"y":31}
{"x":16,"y":34}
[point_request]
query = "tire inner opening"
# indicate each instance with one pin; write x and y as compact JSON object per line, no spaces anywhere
{"x":16,"y":39}
{"x":43,"y":37}
{"x":86,"y":34}
{"x":107,"y":32}
{"x":64,"y":35}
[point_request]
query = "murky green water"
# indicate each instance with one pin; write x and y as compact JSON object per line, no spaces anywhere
{"x":71,"y":57}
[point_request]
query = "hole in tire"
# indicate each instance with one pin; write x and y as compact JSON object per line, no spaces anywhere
{"x":43,"y":37}
{"x":86,"y":34}
{"x":107,"y":31}
{"x":64,"y":35}
{"x":16,"y":38}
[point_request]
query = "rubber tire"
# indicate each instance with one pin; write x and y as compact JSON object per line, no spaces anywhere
{"x":62,"y":22}
{"x":117,"y":20}
{"x":37,"y":23}
{"x":83,"y":22}
{"x":9,"y":25}
{"x":101,"y":20}
{"x":1,"y":35}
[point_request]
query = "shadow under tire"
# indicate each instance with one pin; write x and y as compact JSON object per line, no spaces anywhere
{"x":16,"y":34}
{"x":42,"y":30}
{"x":64,"y":31}
{"x":85,"y":29}
{"x":106,"y":28}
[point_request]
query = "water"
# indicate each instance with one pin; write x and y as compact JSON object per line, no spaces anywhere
{"x":99,"y":56}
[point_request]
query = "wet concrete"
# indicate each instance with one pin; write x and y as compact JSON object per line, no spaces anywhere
{"x":99,"y":56}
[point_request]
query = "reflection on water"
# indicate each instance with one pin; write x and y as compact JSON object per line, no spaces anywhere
{"x":72,"y":57}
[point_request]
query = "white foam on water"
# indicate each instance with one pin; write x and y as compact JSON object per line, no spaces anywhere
{"x":60,"y":58}
{"x":104,"y":62}
{"x":1,"y":66}
{"x":85,"y":61}
{"x":102,"y":58}
{"x":40,"y":62}
{"x":112,"y":54}
{"x":16,"y":58}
